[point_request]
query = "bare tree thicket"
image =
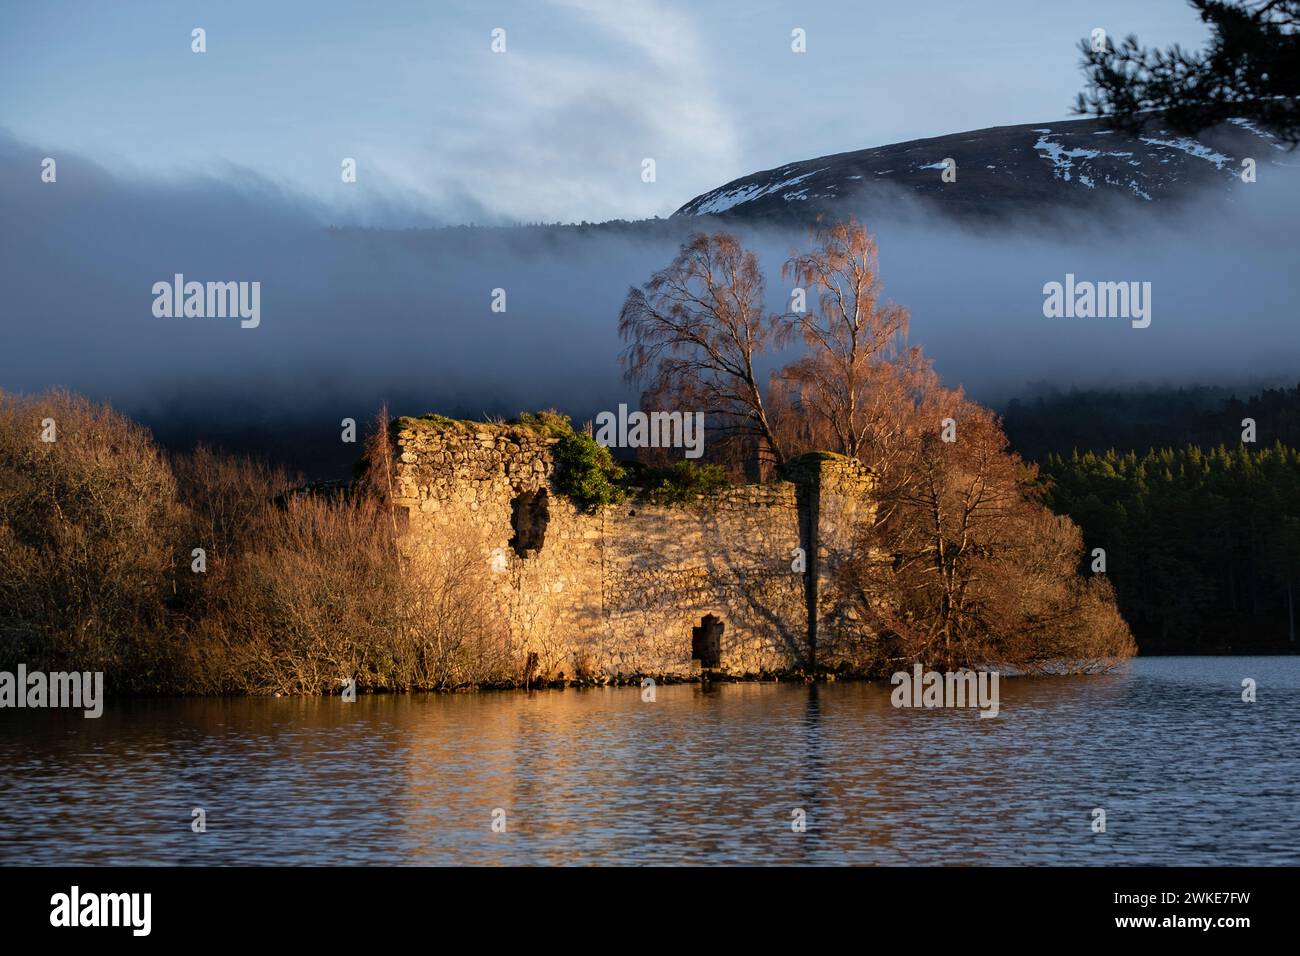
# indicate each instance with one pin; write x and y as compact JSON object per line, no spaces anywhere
{"x":964,"y":566}
{"x":90,"y":548}
{"x":695,"y":331}
{"x":856,"y":343}
{"x":298,"y":592}
{"x":320,"y":594}
{"x":961,"y":563}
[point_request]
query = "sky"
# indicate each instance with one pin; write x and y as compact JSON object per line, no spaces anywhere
{"x":553,"y":129}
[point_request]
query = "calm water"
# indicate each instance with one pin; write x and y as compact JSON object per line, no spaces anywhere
{"x":1187,"y":774}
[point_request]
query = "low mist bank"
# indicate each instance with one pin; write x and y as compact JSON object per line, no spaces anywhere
{"x":350,"y":318}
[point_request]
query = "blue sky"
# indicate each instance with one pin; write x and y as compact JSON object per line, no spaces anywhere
{"x":556,"y":128}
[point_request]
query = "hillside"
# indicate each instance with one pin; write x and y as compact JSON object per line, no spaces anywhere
{"x":1008,"y":170}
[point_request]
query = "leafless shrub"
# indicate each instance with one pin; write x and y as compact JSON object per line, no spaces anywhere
{"x":225,"y":496}
{"x":963,"y":566}
{"x":320,"y":592}
{"x":299,"y":594}
{"x":89,"y":542}
{"x":453,"y":634}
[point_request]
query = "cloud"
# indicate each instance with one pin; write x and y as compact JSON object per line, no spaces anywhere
{"x":352,"y":317}
{"x":561,"y":136}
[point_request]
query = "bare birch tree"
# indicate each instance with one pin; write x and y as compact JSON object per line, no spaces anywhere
{"x":858,"y":362}
{"x":694,"y":331}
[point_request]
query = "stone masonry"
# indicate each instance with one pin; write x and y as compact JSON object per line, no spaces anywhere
{"x":620,"y":590}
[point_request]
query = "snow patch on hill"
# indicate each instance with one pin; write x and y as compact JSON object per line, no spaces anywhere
{"x":1191,"y":147}
{"x":1063,"y":160}
{"x":1019,"y":166}
{"x":722,"y":201}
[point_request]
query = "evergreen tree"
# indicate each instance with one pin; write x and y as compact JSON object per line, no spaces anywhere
{"x":1250,"y":69}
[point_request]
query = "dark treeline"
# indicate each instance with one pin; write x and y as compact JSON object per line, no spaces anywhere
{"x":1203,"y":547}
{"x":1141,"y":419}
{"x":1201,"y":531}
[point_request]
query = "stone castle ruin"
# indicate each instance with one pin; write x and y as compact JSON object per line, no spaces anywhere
{"x":638,"y":588}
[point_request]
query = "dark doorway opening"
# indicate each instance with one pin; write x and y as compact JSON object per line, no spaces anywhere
{"x":529,"y":512}
{"x":706,"y":642}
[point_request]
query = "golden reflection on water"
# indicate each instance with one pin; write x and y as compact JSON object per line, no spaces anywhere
{"x":700,"y":776}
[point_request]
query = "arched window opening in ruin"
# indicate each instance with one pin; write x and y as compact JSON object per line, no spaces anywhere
{"x":529,"y":512}
{"x":706,"y":642}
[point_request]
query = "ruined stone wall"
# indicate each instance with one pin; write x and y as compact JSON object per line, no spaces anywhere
{"x":618,"y":590}
{"x":844,"y":504}
{"x":461,"y":482}
{"x":729,"y":555}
